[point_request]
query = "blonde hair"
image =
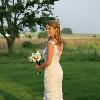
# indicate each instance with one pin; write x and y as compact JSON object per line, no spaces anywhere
{"x":55,"y":24}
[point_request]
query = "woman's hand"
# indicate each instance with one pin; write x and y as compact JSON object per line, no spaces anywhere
{"x":37,"y":67}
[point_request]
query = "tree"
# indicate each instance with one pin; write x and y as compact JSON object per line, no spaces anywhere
{"x":17,"y":14}
{"x":66,"y":31}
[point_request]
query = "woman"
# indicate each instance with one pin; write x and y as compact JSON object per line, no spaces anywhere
{"x":53,"y":74}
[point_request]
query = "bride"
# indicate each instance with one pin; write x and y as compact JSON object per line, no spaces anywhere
{"x":53,"y":73}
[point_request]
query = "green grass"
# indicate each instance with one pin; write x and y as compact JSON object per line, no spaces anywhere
{"x":81,"y":80}
{"x":19,"y":80}
{"x":81,"y":66}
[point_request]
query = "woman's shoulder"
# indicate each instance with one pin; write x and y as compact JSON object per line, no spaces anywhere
{"x":51,"y":41}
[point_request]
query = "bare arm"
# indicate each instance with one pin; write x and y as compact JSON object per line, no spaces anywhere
{"x":49,"y":56}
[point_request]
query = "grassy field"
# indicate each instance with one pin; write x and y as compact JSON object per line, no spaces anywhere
{"x":19,"y":80}
{"x":80,"y":62}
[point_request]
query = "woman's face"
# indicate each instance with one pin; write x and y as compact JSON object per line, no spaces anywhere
{"x":50,"y":31}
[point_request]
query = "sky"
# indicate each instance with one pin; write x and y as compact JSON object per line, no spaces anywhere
{"x":82,"y":16}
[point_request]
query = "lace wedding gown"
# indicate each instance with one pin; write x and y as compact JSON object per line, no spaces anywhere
{"x":53,"y":76}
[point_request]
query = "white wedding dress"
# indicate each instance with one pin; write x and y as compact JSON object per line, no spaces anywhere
{"x":53,"y":76}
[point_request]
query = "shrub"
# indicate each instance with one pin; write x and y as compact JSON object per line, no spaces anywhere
{"x":42,"y":34}
{"x":29,"y":36}
{"x":27,"y":44}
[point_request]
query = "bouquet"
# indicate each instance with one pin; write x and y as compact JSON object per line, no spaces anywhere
{"x":36,"y":58}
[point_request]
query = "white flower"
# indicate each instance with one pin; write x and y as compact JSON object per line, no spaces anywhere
{"x":38,"y":56}
{"x":35,"y":57}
